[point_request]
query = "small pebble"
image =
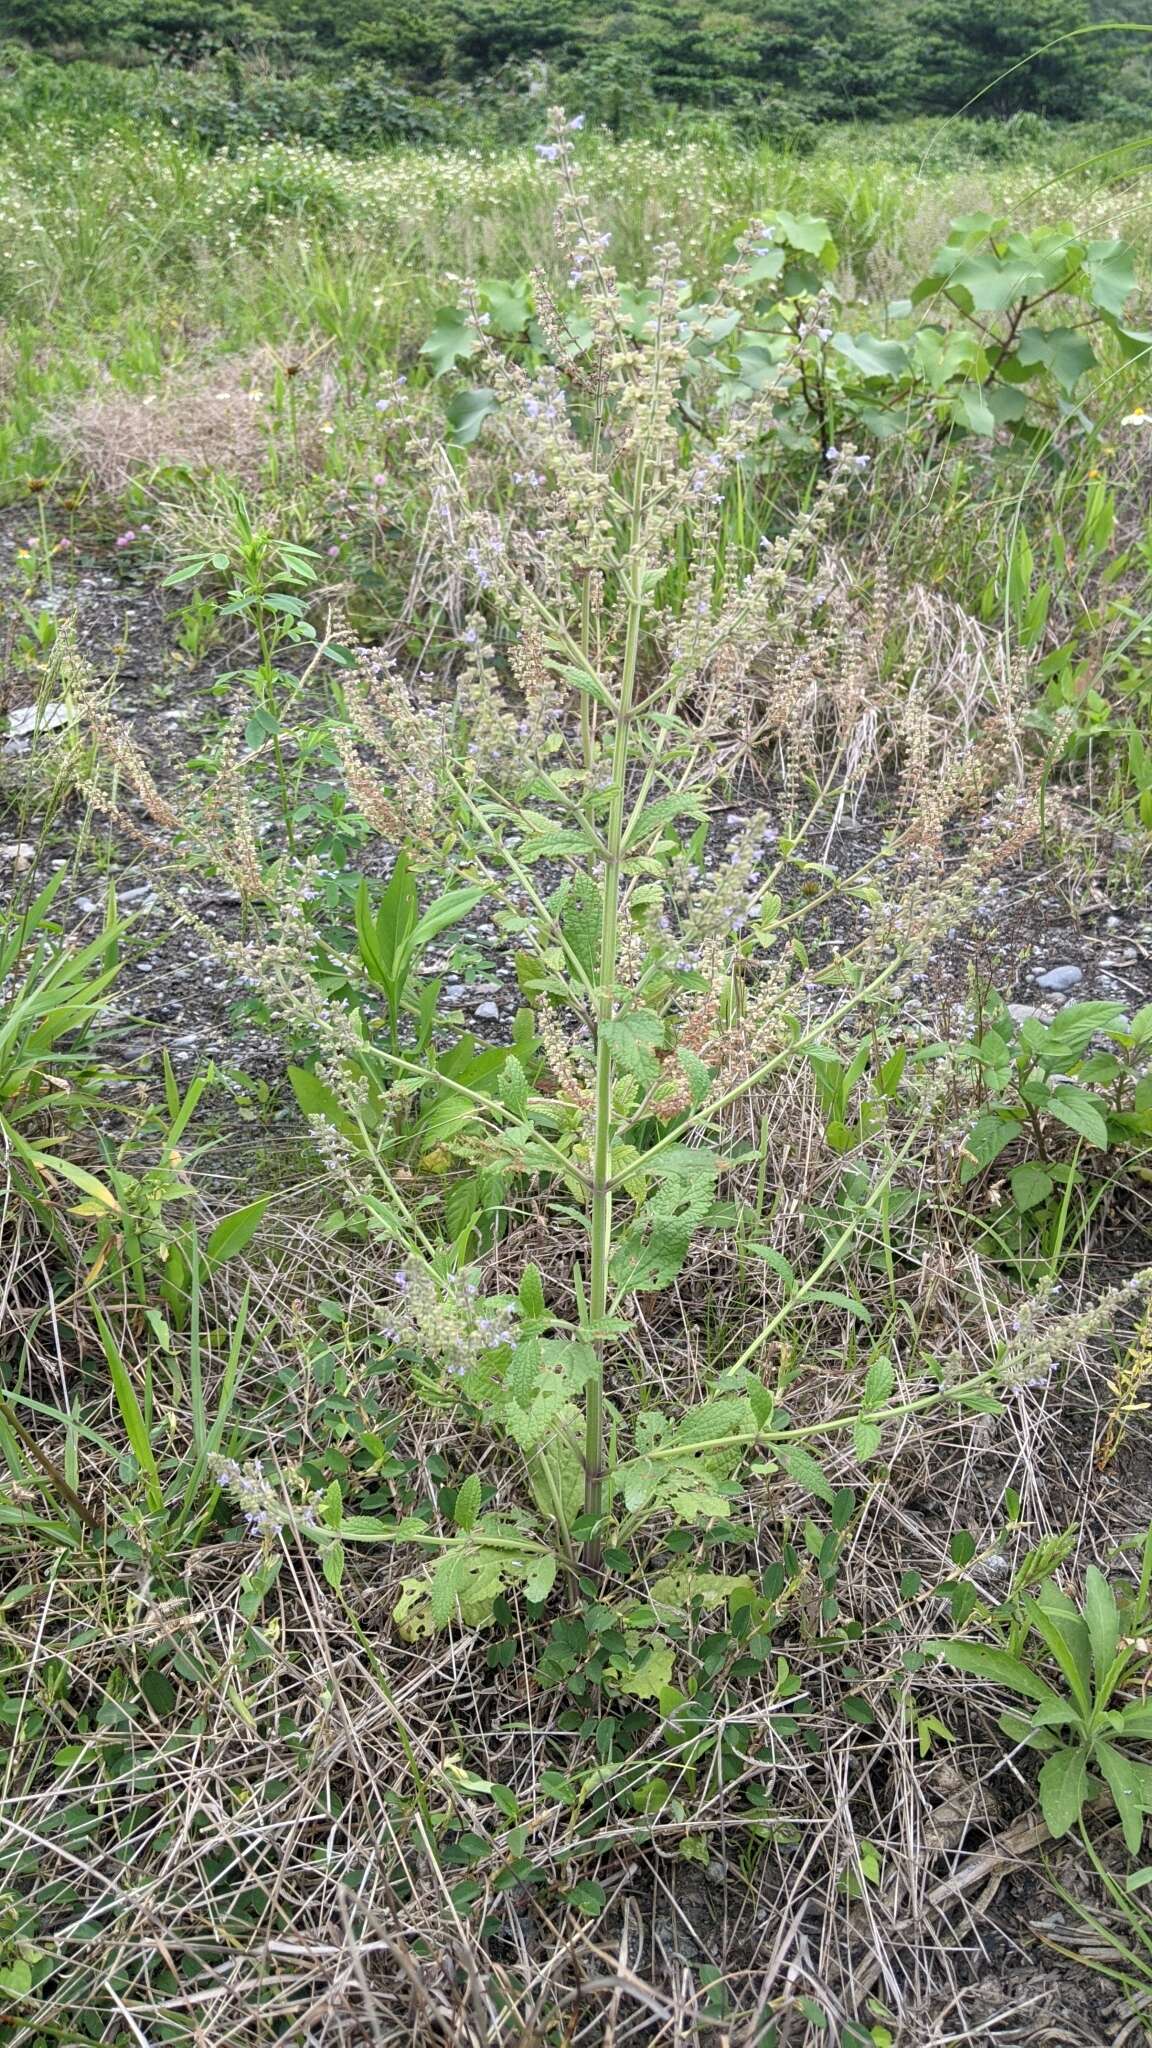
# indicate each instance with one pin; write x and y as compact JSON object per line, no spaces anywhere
{"x":1060,"y":978}
{"x":487,"y":1011}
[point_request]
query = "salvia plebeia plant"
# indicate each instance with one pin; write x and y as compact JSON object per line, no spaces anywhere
{"x":609,"y":650}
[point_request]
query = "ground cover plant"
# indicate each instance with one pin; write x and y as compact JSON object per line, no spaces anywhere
{"x":576,"y":1086}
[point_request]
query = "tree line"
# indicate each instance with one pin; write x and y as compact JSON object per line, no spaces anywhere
{"x":826,"y":59}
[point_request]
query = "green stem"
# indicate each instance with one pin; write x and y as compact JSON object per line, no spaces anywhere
{"x":587,"y":735}
{"x":745,"y":1439}
{"x":45,"y":545}
{"x":600,"y":1207}
{"x":50,"y":1470}
{"x":268,"y":692}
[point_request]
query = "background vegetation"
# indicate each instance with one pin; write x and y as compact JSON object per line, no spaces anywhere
{"x":359,"y":71}
{"x":576,"y":1043}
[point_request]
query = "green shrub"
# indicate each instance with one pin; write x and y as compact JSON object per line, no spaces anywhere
{"x":828,"y":59}
{"x":223,"y":108}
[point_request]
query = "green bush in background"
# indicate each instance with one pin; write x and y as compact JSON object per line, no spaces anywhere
{"x":358,"y":73}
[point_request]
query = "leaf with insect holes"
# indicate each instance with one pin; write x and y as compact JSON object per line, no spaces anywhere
{"x":655,"y":1245}
{"x":694,"y":1494}
{"x":540,"y":1577}
{"x":412,"y":1611}
{"x":1063,"y":1789}
{"x":676,"y":1594}
{"x":531,"y":1423}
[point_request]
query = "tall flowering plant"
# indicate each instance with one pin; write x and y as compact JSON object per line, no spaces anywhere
{"x":607,"y":655}
{"x":610,"y":644}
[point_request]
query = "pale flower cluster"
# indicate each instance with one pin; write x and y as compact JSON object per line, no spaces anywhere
{"x":450,"y":1322}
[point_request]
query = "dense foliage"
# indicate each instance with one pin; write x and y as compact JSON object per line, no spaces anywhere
{"x":772,"y":64}
{"x":575,"y":1066}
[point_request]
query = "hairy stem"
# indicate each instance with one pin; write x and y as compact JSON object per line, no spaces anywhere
{"x":600,"y":1205}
